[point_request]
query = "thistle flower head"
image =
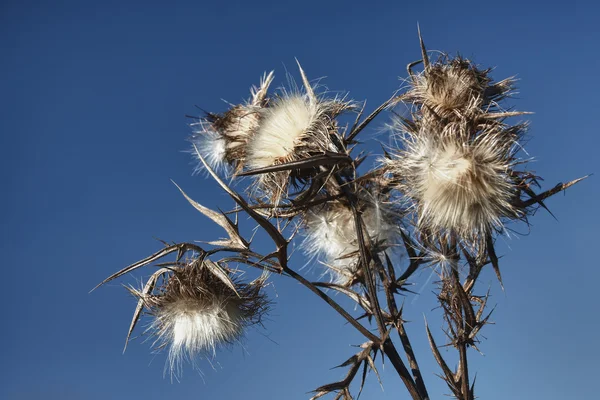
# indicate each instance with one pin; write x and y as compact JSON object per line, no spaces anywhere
{"x":222,"y":138}
{"x":455,"y":87}
{"x":456,"y":157}
{"x":295,"y":126}
{"x":195,"y":310}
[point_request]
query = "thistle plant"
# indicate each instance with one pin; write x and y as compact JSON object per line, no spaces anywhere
{"x":449,"y":182}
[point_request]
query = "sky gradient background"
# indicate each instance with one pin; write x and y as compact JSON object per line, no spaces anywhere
{"x":93,"y":97}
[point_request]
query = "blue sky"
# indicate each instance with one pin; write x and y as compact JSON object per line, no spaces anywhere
{"x":93,"y":99}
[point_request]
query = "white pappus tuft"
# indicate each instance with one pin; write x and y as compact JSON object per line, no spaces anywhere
{"x":330,"y":235}
{"x":284,"y":125}
{"x":293,"y":127}
{"x":227,"y":134}
{"x":191,"y":327}
{"x":195,"y":310}
{"x":211,"y":145}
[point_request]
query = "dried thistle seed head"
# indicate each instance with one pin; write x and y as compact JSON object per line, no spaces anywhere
{"x":456,"y":159}
{"x":455,"y":87}
{"x":195,"y":311}
{"x":460,"y":181}
{"x":294,"y":127}
{"x":222,"y":138}
{"x":330,"y":233}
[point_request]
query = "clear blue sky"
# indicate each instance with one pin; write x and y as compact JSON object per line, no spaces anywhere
{"x":93,"y":98}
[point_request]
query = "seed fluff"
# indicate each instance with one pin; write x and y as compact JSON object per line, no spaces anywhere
{"x":195,"y":311}
{"x":330,"y":235}
{"x":222,"y":138}
{"x":295,"y":126}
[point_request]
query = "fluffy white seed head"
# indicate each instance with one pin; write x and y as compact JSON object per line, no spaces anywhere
{"x":458,"y":184}
{"x":455,"y":159}
{"x":296,"y":125}
{"x":284,"y":125}
{"x":196,"y":311}
{"x":193,"y":327}
{"x":330,"y":235}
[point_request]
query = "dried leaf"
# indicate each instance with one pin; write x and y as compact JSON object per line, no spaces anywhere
{"x":262,"y":221}
{"x":235,"y":240}
{"x":438,"y":357}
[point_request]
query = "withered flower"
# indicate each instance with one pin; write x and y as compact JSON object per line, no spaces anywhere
{"x":295,"y":126}
{"x":199,"y":307}
{"x":456,"y":159}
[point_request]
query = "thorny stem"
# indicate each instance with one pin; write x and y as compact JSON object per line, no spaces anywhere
{"x":416,"y":386}
{"x":389,"y":285}
{"x":467,"y":322}
{"x":390,"y":350}
{"x":364,"y":254}
{"x":464,"y":372}
{"x":366,"y":260}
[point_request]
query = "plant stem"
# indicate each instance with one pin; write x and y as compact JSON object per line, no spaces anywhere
{"x":464,"y":372}
{"x":392,"y":353}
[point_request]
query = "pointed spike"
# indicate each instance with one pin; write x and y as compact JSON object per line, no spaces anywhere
{"x":259,"y":94}
{"x":558,"y":188}
{"x":374,"y":368}
{"x":351,"y":360}
{"x":436,"y":354}
{"x":307,"y":86}
{"x":363,"y":379}
{"x":494,"y":258}
{"x":472,"y":390}
{"x":235,"y":240}
{"x":141,"y":263}
{"x":148,"y":287}
{"x":220,"y":273}
{"x":423,"y":50}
